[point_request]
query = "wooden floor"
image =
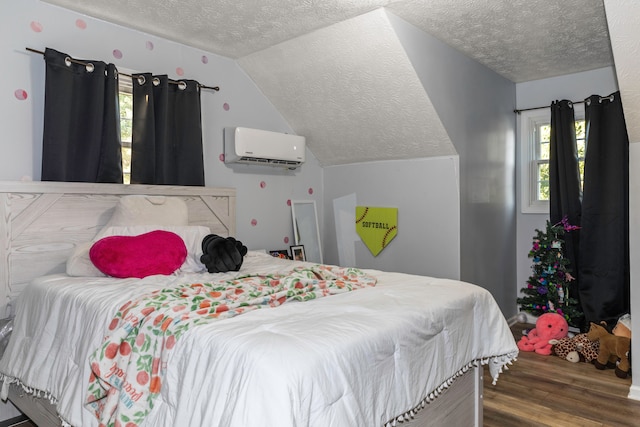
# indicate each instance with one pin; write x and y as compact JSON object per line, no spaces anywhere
{"x":26,"y":423}
{"x":549,"y":391}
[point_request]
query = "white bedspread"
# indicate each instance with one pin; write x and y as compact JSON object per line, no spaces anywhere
{"x":355,"y":359}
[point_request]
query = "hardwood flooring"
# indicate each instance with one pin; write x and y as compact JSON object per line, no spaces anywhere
{"x":548,"y":391}
{"x":18,"y":422}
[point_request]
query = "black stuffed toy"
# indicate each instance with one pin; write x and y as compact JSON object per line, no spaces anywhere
{"x":220,"y":254}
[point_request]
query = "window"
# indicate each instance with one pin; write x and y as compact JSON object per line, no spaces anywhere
{"x":535,"y":142}
{"x":125,"y":97}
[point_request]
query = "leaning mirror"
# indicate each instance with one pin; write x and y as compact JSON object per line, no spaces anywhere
{"x":305,"y":228}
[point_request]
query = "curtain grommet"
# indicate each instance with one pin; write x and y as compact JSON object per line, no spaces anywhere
{"x":141,"y":80}
{"x":182,"y":85}
{"x":67,"y":61}
{"x":156,"y":81}
{"x":609,"y":98}
{"x":89,"y":67}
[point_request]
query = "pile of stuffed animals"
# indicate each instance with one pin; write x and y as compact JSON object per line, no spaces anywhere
{"x":598,"y":346}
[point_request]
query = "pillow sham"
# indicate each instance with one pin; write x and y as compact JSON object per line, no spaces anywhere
{"x":143,"y":210}
{"x":156,"y":252}
{"x":79,"y":264}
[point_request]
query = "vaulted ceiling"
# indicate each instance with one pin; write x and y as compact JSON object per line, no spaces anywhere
{"x":522,"y":40}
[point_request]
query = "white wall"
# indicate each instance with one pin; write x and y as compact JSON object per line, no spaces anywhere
{"x":540,"y":93}
{"x":263,"y":214}
{"x":634,"y":259}
{"x":475,"y":106}
{"x":425,"y":191}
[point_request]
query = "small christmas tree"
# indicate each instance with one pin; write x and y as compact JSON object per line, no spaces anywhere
{"x":548,"y":287}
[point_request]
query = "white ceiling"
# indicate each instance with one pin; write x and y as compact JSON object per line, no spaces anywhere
{"x":623,"y":17}
{"x":522,"y":40}
{"x":366,"y":89}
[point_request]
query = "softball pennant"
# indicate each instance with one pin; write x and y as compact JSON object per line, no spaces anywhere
{"x":376,"y":226}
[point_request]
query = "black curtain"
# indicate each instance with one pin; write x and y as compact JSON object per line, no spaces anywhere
{"x":604,"y":242}
{"x":166,"y":146}
{"x":81,"y":140}
{"x":564,"y":182}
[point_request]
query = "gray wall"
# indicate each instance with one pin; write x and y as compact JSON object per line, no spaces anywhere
{"x":476,"y":107}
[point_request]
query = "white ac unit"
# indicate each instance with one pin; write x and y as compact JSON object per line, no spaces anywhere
{"x":254,"y":146}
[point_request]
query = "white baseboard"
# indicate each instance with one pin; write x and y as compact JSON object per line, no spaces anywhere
{"x":634,"y":392}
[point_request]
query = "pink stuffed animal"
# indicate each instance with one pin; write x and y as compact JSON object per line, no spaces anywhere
{"x":548,"y":326}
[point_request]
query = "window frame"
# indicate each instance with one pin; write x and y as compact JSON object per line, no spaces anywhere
{"x":125,"y":85}
{"x":529,"y":123}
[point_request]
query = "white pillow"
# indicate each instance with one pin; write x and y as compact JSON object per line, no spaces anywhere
{"x":79,"y":264}
{"x":145,"y":210}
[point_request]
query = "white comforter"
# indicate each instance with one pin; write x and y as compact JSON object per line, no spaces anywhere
{"x":355,"y":359}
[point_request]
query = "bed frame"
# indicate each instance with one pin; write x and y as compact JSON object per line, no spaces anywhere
{"x":42,"y":222}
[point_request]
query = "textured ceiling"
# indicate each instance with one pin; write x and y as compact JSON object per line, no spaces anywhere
{"x":312,"y":45}
{"x":356,"y":76}
{"x":520,"y":39}
{"x":623,"y":17}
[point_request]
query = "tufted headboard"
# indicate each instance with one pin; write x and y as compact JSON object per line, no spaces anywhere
{"x":42,"y":222}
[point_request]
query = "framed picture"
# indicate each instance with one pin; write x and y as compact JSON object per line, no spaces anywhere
{"x":280,"y":253}
{"x":297,"y":253}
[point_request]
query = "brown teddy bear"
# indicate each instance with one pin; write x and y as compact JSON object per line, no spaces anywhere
{"x":614,"y":350}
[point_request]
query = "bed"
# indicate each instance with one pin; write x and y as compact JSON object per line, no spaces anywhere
{"x":393,"y":349}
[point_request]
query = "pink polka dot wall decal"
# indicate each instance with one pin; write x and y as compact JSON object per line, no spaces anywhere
{"x":117,"y":54}
{"x":149,"y":45}
{"x":204,"y":59}
{"x":36,"y":26}
{"x":310,"y":191}
{"x":179,"y":71}
{"x":254,"y":222}
{"x":263,"y":184}
{"x":288,"y":202}
{"x":221,"y":157}
{"x":286,"y":240}
{"x":81,"y":24}
{"x":225,"y":106}
{"x":20,"y":94}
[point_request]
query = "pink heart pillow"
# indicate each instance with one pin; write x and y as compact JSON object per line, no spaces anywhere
{"x":156,"y":252}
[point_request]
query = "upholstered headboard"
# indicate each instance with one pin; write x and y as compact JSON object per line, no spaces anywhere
{"x":42,"y":222}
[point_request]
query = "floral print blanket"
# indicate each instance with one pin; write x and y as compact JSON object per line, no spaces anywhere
{"x":128,"y":369}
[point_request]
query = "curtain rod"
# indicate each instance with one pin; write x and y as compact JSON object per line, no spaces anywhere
{"x":201,"y":86}
{"x":540,"y":108}
{"x":601,"y":98}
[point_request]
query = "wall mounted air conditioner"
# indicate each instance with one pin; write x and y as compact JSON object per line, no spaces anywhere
{"x":261,"y":147}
